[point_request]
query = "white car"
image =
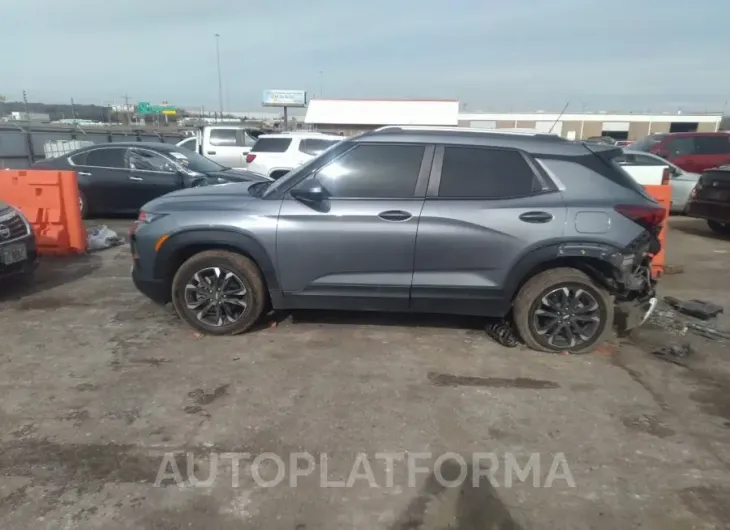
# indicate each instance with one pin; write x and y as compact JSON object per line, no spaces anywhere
{"x":275,"y":155}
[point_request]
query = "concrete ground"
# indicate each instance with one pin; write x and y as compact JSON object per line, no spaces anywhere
{"x":99,"y":384}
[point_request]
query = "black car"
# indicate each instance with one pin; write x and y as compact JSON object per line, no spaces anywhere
{"x":710,"y":199}
{"x":118,"y":178}
{"x":18,"y":253}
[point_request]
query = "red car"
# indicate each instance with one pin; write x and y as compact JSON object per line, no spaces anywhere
{"x":692,"y":151}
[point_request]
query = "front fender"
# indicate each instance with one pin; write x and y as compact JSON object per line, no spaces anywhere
{"x":215,"y":238}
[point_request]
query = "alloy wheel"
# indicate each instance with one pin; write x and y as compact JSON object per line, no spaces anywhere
{"x":216,"y":296}
{"x":567,"y":317}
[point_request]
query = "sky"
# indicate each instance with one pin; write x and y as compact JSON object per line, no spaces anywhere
{"x":493,"y":55}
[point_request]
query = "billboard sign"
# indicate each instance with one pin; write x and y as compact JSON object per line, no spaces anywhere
{"x":284,"y":98}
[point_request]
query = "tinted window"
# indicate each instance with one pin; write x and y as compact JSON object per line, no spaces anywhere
{"x":373,"y":171}
{"x":223,"y":137}
{"x":142,"y":160}
{"x":271,"y":145}
{"x":314,"y":147}
{"x":712,"y":145}
{"x":106,"y":158}
{"x":485,"y":173}
{"x":633,"y":159}
{"x":679,"y":146}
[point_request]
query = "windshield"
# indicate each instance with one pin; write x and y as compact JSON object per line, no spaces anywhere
{"x":282,"y":182}
{"x":195,"y":162}
{"x":646,"y":143}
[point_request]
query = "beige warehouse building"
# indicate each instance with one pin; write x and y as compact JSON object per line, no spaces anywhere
{"x":353,"y":116}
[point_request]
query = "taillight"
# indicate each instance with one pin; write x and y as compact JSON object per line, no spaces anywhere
{"x":666,"y":176}
{"x":250,"y":158}
{"x":649,"y":216}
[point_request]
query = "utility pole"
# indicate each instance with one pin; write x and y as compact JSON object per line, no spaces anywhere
{"x":25,"y":104}
{"x":73,"y":110}
{"x":127,"y":118}
{"x":220,"y":78}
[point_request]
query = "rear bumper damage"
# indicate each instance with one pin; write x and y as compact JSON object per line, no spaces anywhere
{"x":628,"y":277}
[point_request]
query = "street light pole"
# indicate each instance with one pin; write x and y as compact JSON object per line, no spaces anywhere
{"x":220,"y":79}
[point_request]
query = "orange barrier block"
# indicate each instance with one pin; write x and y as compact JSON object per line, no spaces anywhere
{"x":50,"y":201}
{"x":663,"y":195}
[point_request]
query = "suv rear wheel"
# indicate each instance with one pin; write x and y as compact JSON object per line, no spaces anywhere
{"x":563,"y":309}
{"x":219,"y":292}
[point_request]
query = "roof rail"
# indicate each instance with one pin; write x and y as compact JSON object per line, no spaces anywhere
{"x":520,"y":132}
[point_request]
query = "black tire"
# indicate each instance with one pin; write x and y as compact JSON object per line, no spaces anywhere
{"x":722,"y":229}
{"x":83,"y":205}
{"x":245,"y":272}
{"x":530,"y":297}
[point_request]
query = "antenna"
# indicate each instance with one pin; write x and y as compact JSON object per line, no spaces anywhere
{"x":559,"y":116}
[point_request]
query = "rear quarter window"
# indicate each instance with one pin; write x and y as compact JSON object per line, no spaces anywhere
{"x":315,"y":146}
{"x":271,"y":145}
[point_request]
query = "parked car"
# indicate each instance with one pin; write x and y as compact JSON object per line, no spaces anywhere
{"x":18,"y":254}
{"x":277,"y":154}
{"x":624,"y":143}
{"x":118,"y":178}
{"x":644,"y":166}
{"x":710,"y":200}
{"x":225,"y":144}
{"x":692,"y":151}
{"x":417,"y":219}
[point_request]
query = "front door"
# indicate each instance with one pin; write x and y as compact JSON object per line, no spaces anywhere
{"x":485,"y":209}
{"x":151,"y":175}
{"x":354,"y":250}
{"x":228,"y":146}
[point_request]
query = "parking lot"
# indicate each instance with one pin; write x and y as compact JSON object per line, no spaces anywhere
{"x":99,"y":384}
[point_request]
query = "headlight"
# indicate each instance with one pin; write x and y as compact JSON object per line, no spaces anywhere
{"x":147,"y":217}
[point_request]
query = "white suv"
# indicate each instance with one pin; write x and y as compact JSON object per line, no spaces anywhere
{"x":277,"y":154}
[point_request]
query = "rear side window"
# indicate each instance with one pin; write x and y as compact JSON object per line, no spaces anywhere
{"x":679,"y":146}
{"x":478,"y":173}
{"x":271,"y":145}
{"x":109,"y":157}
{"x":314,"y":147}
{"x":712,"y":145}
{"x":646,"y":143}
{"x":223,"y":137}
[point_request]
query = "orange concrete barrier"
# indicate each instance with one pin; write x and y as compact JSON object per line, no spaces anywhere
{"x":663,"y":195}
{"x":50,"y":201}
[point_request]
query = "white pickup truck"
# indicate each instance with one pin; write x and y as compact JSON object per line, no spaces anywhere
{"x":226,"y":144}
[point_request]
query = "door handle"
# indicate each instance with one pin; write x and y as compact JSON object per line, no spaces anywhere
{"x":395,"y":215}
{"x":536,"y":217}
{"x":84,"y":174}
{"x":135,"y":178}
{"x":211,"y":152}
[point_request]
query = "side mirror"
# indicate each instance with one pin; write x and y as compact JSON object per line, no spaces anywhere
{"x":312,"y":194}
{"x":674,"y":171}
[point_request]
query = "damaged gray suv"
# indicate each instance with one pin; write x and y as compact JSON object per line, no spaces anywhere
{"x":549,"y":233}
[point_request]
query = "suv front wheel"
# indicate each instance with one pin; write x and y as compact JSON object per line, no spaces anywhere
{"x":561,"y":310}
{"x":219,"y":292}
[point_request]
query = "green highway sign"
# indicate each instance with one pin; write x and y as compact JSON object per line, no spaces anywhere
{"x":144,"y":108}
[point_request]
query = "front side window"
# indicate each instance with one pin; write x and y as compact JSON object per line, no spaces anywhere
{"x":373,"y":171}
{"x":108,"y":157}
{"x":191,"y":144}
{"x":142,"y":160}
{"x":479,"y":173}
{"x":223,"y":137}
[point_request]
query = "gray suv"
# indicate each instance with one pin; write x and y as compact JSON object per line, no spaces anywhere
{"x":547,"y":232}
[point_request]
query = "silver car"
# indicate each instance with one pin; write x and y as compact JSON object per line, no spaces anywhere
{"x":682,"y":182}
{"x":550,"y":234}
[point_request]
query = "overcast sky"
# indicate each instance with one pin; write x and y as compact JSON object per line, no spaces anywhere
{"x":491,"y":54}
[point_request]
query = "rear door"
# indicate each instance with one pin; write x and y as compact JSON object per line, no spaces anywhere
{"x":104,"y":178}
{"x":355,"y":249}
{"x":151,"y":175}
{"x":485,"y":209}
{"x":227,"y":145}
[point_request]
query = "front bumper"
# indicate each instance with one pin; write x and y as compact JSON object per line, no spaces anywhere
{"x":26,"y":266}
{"x":156,"y":290}
{"x":630,"y":315}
